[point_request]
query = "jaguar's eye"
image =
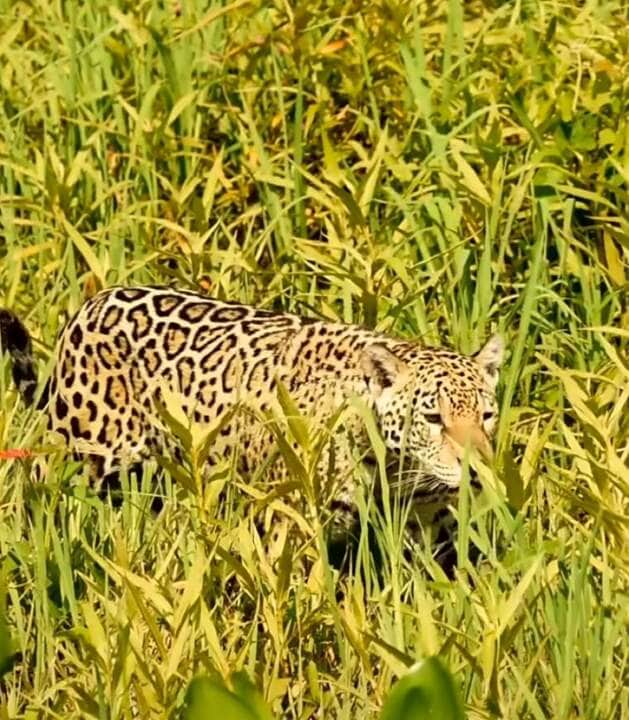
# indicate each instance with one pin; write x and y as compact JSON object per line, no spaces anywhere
{"x":433,"y":418}
{"x":488,"y":415}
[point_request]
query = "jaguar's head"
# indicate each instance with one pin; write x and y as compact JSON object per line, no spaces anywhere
{"x":432,"y":404}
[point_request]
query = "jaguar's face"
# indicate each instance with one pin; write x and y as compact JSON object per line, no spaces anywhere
{"x":432,"y":406}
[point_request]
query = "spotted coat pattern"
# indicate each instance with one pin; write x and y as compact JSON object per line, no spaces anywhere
{"x":126,"y":345}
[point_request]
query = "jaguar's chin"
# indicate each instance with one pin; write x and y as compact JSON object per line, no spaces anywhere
{"x":420,"y":483}
{"x":409,"y":480}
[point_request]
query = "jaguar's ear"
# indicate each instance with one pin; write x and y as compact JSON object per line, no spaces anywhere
{"x":382,"y":368}
{"x":490,"y":358}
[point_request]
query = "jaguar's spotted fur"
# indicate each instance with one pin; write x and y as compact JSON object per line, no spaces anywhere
{"x":125,"y":345}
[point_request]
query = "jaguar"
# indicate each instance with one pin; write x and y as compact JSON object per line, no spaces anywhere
{"x":129,"y":349}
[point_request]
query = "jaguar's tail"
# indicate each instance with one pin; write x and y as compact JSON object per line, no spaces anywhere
{"x":15,"y":340}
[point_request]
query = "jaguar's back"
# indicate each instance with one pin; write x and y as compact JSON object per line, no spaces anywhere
{"x":124,"y":346}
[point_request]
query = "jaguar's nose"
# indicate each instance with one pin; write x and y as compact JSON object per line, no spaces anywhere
{"x":463,"y":434}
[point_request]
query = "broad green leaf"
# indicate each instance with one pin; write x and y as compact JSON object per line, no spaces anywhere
{"x":210,"y":699}
{"x":427,"y":692}
{"x":247,"y":692}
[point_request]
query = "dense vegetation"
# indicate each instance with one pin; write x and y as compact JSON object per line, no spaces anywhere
{"x":434,"y":169}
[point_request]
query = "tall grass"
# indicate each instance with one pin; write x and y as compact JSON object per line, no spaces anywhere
{"x":436,"y":170}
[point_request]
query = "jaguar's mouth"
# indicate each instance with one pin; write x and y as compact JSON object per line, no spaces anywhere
{"x":426,"y":488}
{"x":419,"y":480}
